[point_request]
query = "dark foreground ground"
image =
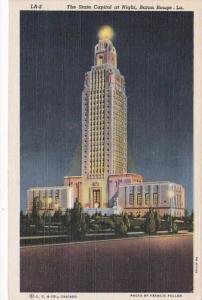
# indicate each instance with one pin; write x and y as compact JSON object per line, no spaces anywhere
{"x":162,"y":264}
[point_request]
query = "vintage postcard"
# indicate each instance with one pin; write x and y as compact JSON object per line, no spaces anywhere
{"x":105,"y":140}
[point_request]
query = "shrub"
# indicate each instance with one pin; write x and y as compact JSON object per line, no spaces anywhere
{"x":150,"y":224}
{"x":95,"y":227}
{"x":121,"y":229}
{"x":157,"y":220}
{"x":126,"y":221}
{"x":174,"y":227}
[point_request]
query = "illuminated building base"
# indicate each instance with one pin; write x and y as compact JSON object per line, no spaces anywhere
{"x":98,"y":192}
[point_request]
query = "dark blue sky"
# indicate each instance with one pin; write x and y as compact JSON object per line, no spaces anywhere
{"x":155,"y":54}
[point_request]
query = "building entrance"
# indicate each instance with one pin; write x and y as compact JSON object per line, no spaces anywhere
{"x":96,"y":198}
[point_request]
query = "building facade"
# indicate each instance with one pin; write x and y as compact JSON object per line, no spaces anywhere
{"x":104,"y":121}
{"x":50,"y":198}
{"x":104,"y":129}
{"x":80,"y":183}
{"x":76,"y":183}
{"x":164,"y":196}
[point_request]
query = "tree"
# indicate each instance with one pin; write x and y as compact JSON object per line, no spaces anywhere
{"x":97,"y":217}
{"x":58,"y":216}
{"x":174,"y":227}
{"x":131,"y":215}
{"x":88,"y":220}
{"x":78,"y":222}
{"x":126,"y":221}
{"x":191,"y":222}
{"x":67,"y":218}
{"x":108,"y":224}
{"x":171,"y":225}
{"x":22,"y":222}
{"x":22,"y":217}
{"x":95,"y":227}
{"x":121,"y":229}
{"x":47,"y":217}
{"x":82,"y":226}
{"x":113,"y":218}
{"x":35,"y":216}
{"x":167,"y":222}
{"x":76,"y":212}
{"x":150,"y":224}
{"x":157,"y":220}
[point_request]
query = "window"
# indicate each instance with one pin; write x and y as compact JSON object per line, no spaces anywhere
{"x":139,"y":199}
{"x":147,"y":199}
{"x":155,"y":198}
{"x":131,"y":199}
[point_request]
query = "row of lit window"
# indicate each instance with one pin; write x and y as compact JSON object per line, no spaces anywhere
{"x":98,"y":159}
{"x":96,"y":175}
{"x":97,"y":137}
{"x":101,"y":130}
{"x":95,"y":152}
{"x":97,"y":124}
{"x":96,"y":112}
{"x":96,"y":121}
{"x":98,"y":74}
{"x":96,"y":108}
{"x":97,"y":130}
{"x":96,"y":155}
{"x":176,"y":202}
{"x":176,"y":188}
{"x":99,"y":109}
{"x":97,"y":118}
{"x":98,"y":91}
{"x":98,"y":85}
{"x":99,"y":81}
{"x":96,"y":167}
{"x":147,"y":200}
{"x":95,"y":142}
{"x":97,"y":171}
{"x":96,"y":102}
{"x":99,"y":77}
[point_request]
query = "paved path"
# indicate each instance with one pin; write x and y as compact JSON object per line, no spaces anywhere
{"x":162,"y":264}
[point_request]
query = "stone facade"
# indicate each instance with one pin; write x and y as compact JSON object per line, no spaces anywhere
{"x":164,"y":196}
{"x":50,"y":198}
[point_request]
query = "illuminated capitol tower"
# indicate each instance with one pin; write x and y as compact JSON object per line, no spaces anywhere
{"x":104,"y":108}
{"x":104,"y":127}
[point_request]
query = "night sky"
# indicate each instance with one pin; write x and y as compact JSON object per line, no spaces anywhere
{"x":155,"y":54}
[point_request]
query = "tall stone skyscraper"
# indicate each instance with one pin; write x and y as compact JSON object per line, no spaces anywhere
{"x":104,"y":131}
{"x":104,"y":128}
{"x":104,"y":111}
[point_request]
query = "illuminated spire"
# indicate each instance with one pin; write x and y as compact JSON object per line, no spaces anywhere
{"x":105,"y":53}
